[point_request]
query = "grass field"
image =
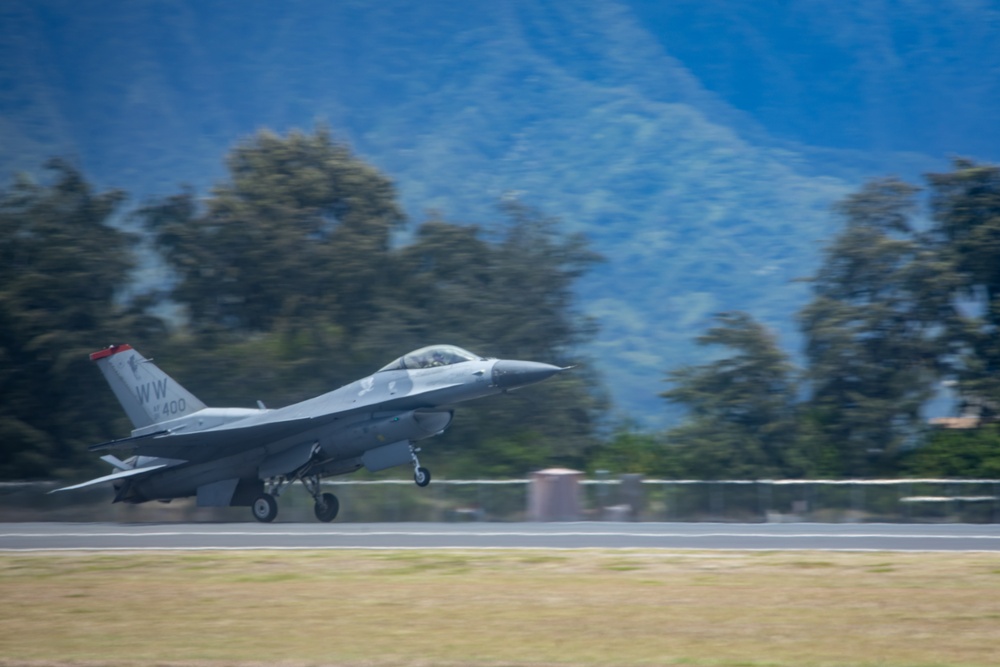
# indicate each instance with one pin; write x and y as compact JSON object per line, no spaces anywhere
{"x":491,"y":608}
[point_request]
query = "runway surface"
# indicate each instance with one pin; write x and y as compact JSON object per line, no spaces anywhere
{"x":701,"y":536}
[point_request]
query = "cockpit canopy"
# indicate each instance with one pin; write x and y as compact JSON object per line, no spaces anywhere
{"x":431,"y":356}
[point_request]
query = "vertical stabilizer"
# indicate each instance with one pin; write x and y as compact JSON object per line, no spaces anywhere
{"x":148,"y":395}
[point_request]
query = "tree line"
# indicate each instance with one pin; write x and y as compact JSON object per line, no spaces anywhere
{"x":905,"y":309}
{"x":298,"y":272}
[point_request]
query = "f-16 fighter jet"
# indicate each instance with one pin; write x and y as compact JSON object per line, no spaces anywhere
{"x":247,"y":457}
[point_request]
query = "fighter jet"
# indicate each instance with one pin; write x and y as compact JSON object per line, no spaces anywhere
{"x":247,"y":457}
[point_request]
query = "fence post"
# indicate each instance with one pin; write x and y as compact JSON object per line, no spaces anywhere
{"x":905,"y":491}
{"x":857,"y":499}
{"x":632,"y":493}
{"x":764,"y":499}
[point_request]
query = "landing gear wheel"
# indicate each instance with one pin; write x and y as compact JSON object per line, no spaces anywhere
{"x":265,"y":508}
{"x":326,"y":507}
{"x":422,"y":476}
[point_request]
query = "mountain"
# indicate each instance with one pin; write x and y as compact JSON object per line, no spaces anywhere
{"x":698,"y":144}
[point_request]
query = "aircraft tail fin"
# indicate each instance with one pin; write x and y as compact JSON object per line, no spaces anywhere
{"x":148,"y":395}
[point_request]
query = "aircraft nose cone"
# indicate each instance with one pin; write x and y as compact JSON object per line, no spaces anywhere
{"x":509,"y":374}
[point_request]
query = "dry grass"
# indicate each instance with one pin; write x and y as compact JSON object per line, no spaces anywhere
{"x":422,"y":608}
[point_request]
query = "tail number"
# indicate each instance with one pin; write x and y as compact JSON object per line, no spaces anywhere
{"x":173,"y":407}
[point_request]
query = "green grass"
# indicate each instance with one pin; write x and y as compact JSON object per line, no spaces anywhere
{"x":499,"y":608}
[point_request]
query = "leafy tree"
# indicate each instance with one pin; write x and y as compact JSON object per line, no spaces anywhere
{"x":973,"y":453}
{"x":741,"y":407}
{"x":632,"y":451}
{"x":965,"y":205}
{"x":506,"y":289}
{"x":279,"y":271}
{"x":300,"y":232}
{"x":873,"y":333}
{"x":63,"y":268}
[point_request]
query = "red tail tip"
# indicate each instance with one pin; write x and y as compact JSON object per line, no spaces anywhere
{"x":108,"y":351}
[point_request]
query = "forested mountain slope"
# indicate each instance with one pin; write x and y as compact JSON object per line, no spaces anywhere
{"x":698,"y":145}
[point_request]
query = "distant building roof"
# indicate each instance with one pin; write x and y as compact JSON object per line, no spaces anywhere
{"x":955,"y":422}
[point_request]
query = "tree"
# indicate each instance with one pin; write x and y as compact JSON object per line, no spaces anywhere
{"x":506,"y":289}
{"x":965,"y":205}
{"x":874,"y":333}
{"x":300,"y":232}
{"x":972,"y":453}
{"x":630,"y":450}
{"x":63,"y":268}
{"x":741,"y":407}
{"x":279,"y":271}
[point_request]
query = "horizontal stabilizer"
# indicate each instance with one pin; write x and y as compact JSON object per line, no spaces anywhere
{"x":115,"y":461}
{"x":122,"y":474}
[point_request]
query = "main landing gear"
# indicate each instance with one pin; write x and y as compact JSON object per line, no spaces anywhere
{"x":421,"y":475}
{"x":327,"y":505}
{"x":265,"y":506}
{"x":326,"y":508}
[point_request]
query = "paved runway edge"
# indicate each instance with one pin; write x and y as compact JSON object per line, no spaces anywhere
{"x":675,"y":536}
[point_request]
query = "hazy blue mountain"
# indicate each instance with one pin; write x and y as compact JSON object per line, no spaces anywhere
{"x":699,"y":144}
{"x":876,"y":76}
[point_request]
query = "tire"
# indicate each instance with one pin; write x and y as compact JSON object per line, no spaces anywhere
{"x":326,"y":510}
{"x":422,"y":476}
{"x":264,"y":508}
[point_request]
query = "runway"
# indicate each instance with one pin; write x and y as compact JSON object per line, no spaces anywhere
{"x":690,"y":536}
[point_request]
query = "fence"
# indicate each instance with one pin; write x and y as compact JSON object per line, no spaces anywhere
{"x":629,"y":498}
{"x":825,"y":501}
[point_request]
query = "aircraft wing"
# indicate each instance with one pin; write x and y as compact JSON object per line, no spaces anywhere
{"x":121,"y":474}
{"x":199,"y":446}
